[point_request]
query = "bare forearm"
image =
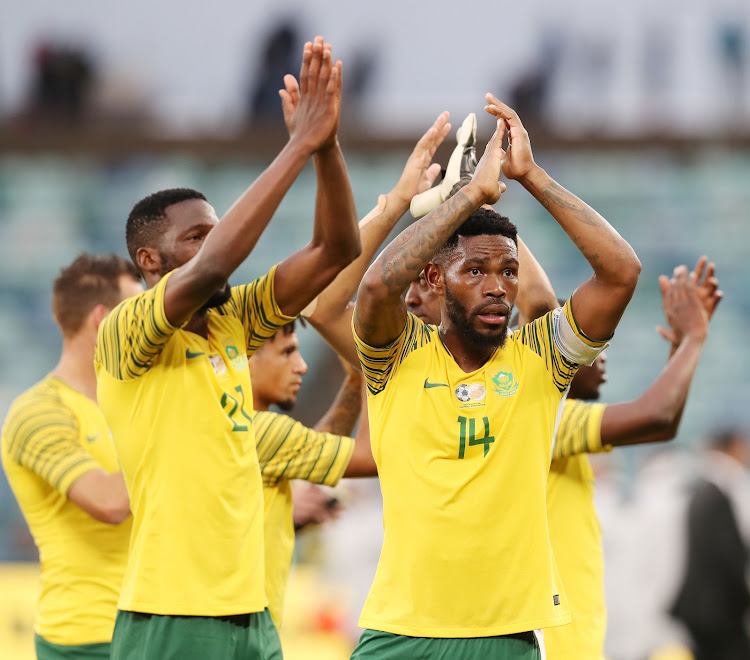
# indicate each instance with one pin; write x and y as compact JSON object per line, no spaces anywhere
{"x":656,"y":414}
{"x":610,"y":255}
{"x":230,"y":242}
{"x":380,"y":313}
{"x":536,"y":296}
{"x":330,"y":306}
{"x":362,"y":463}
{"x":335,"y":211}
{"x":344,"y":411}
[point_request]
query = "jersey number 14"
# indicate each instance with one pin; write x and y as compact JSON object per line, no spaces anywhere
{"x":469,"y":424}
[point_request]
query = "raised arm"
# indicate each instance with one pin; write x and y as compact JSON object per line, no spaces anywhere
{"x":349,"y":405}
{"x":335,"y":242}
{"x":227,"y":244}
{"x":331,"y":312}
{"x":535,"y":296}
{"x":380,"y":312}
{"x":598,"y":304}
{"x":688,"y":302}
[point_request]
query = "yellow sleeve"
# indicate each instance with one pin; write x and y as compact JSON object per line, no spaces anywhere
{"x":133,"y":334}
{"x":580,"y":429}
{"x":379,"y":364}
{"x":556,"y":338}
{"x":43,"y":436}
{"x":290,"y":450}
{"x":255,"y":306}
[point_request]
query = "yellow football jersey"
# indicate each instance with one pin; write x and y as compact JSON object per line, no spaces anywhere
{"x":54,"y":434}
{"x":463,"y":460}
{"x":575,"y":534}
{"x":289,"y":450}
{"x":179,"y":408}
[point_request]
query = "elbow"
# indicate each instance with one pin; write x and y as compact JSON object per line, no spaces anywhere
{"x":114,"y":513}
{"x":629,"y":272}
{"x":661,"y":425}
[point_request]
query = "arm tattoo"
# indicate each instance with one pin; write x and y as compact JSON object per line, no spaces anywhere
{"x":344,"y":411}
{"x":555,"y":194}
{"x":403,"y":260}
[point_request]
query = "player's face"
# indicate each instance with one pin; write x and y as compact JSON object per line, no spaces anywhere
{"x":480,"y":283}
{"x":189,"y":223}
{"x":588,"y":381}
{"x":423,"y":302}
{"x":276,"y":371}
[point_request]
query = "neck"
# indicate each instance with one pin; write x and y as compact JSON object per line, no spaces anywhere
{"x":76,"y":366}
{"x":469,"y":356}
{"x":260,"y":405}
{"x":198,"y":324}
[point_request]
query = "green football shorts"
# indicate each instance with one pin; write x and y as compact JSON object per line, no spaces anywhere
{"x":48,"y":651}
{"x":141,"y":636}
{"x":378,"y":645}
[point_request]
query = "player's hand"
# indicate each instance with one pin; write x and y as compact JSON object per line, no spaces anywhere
{"x":460,"y":169}
{"x":420,"y":172}
{"x":703,"y":277}
{"x":518,"y":160}
{"x":485,"y":183}
{"x":684,"y":307}
{"x":312,"y":107}
{"x":313,"y":505}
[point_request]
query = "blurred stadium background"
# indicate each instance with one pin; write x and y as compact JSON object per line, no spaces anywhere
{"x":642,"y":109}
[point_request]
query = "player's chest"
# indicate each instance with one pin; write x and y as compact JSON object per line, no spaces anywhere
{"x":220,"y":357}
{"x":449,"y":414}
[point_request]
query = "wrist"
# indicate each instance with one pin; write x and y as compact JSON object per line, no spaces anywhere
{"x":330,"y":148}
{"x":536,"y":177}
{"x":474,"y":193}
{"x":397,"y":200}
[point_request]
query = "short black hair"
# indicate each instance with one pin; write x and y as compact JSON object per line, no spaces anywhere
{"x":146,"y":220}
{"x":289,"y":328}
{"x":90,"y":280}
{"x":483,"y":222}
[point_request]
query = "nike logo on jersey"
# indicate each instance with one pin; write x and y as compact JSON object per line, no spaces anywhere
{"x":428,"y":384}
{"x":93,"y":438}
{"x":189,"y":354}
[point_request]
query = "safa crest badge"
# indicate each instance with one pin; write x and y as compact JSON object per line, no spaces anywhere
{"x":505,"y":383}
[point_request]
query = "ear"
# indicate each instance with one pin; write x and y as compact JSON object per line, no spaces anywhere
{"x":149,"y":260}
{"x":98,"y":313}
{"x":433,"y":275}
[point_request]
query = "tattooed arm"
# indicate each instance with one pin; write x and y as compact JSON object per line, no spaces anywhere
{"x":598,"y":304}
{"x":341,"y":417}
{"x":380,"y":312}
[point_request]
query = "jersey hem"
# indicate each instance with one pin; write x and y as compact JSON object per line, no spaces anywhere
{"x":166,"y":610}
{"x":465,"y":633}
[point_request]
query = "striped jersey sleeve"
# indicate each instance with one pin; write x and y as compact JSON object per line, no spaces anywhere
{"x":379,"y":364}
{"x":255,"y":306}
{"x":43,"y":436}
{"x":580,"y":429}
{"x":288,"y":449}
{"x":556,"y":338}
{"x":134,"y":333}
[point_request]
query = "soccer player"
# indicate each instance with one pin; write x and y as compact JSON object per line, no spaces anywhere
{"x":586,"y":427}
{"x":289,"y":450}
{"x":462,"y":416}
{"x":174,"y":386}
{"x":60,"y":462}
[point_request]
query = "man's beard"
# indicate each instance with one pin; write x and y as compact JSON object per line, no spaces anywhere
{"x":286,"y":406}
{"x":459,"y":317}
{"x":218,"y":297}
